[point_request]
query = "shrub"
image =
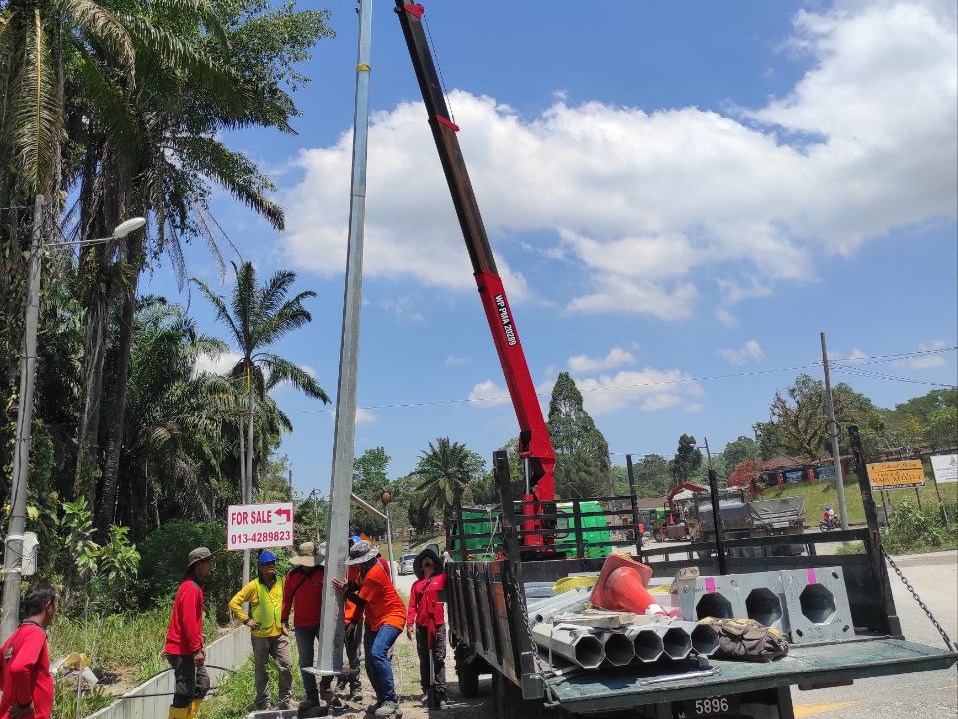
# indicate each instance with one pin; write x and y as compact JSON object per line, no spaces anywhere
{"x":164,"y":559}
{"x":913,"y":529}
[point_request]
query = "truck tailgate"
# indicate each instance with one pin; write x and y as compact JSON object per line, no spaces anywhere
{"x":620,"y":689}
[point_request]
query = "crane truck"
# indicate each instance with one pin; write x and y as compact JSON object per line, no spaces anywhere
{"x":489,"y":622}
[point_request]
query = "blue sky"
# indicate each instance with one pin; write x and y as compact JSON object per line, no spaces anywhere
{"x":680,"y":197}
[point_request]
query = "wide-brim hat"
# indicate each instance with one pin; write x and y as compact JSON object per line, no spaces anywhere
{"x":310,"y":555}
{"x":198,"y":555}
{"x":361,"y":552}
{"x":417,"y":562}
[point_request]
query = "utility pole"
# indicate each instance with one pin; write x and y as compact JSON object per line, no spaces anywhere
{"x":13,"y":551}
{"x":716,"y":516}
{"x":329,"y":658}
{"x":833,"y":433}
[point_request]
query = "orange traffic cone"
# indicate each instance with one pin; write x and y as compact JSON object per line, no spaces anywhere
{"x":622,"y":587}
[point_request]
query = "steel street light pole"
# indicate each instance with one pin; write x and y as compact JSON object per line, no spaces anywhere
{"x":13,"y":551}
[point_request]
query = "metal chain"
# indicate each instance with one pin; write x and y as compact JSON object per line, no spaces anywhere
{"x":914,"y":594}
{"x":521,"y":597}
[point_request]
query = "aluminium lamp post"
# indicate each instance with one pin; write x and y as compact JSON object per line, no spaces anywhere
{"x":13,"y":551}
{"x":329,"y":658}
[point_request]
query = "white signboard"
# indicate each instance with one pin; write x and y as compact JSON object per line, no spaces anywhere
{"x":259,"y":526}
{"x":945,"y":467}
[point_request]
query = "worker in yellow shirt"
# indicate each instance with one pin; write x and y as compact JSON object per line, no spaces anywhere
{"x":265,"y":597}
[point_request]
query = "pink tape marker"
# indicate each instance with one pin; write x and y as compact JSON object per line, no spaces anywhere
{"x":810,"y":575}
{"x":710,"y":585}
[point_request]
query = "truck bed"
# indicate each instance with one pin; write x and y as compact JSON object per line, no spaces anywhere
{"x":485,"y":616}
{"x":586,"y":692}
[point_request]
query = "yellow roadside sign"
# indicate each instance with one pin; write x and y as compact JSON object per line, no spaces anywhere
{"x":896,"y":475}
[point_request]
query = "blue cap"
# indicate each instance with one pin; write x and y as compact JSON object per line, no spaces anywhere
{"x":266,"y":557}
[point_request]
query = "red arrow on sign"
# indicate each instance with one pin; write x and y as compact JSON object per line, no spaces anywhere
{"x":283,"y":513}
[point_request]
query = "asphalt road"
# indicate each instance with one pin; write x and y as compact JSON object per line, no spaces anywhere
{"x":925,"y":695}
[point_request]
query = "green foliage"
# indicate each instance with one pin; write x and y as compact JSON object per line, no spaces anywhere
{"x":370,"y":480}
{"x":98,"y":578}
{"x":652,"y":476}
{"x":687,"y":459}
{"x":164,"y":560}
{"x":445,"y":469}
{"x":739,"y":450}
{"x":919,"y":530}
{"x":799,"y":420}
{"x":582,"y":452}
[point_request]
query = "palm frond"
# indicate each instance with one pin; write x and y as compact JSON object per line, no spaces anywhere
{"x":222,"y":312}
{"x":97,"y":22}
{"x":36,"y":110}
{"x":234,"y":172}
{"x":282,"y":370}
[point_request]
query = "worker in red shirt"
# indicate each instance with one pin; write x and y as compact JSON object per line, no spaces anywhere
{"x":427,"y":620}
{"x":24,"y":662}
{"x":384,"y":611}
{"x":184,"y":639}
{"x":303,"y":598}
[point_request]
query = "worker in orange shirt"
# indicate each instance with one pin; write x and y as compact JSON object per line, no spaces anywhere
{"x":371,"y":590}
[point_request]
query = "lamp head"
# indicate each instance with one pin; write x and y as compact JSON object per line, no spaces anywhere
{"x":128,"y":226}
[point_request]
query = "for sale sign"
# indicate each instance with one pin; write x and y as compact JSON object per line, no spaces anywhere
{"x":896,"y":475}
{"x":259,"y":526}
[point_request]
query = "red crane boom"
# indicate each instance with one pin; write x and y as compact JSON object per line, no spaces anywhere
{"x":535,"y":446}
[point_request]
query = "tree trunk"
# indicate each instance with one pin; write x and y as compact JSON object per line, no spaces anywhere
{"x":244,"y":498}
{"x":250,"y":449}
{"x":114,"y":438}
{"x":94,"y":354}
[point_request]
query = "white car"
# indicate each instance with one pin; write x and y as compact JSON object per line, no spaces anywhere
{"x":405,"y":564}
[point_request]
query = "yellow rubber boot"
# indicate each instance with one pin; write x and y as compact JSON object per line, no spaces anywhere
{"x":195,"y":708}
{"x":179,"y":713}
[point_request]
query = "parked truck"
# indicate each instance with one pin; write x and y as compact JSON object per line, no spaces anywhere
{"x":742,"y":518}
{"x":540,"y":540}
{"x":490,"y":633}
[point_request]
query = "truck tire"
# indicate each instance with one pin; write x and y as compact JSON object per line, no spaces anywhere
{"x":468,"y":681}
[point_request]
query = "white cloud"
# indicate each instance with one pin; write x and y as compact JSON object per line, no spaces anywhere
{"x":311,"y":371}
{"x":726,"y":317}
{"x":616,"y":358}
{"x":930,"y":361}
{"x":488,"y":394}
{"x":750,"y":352}
{"x":452,"y":360}
{"x":650,"y":389}
{"x":406,"y":308}
{"x":854,"y":357}
{"x":643,"y":202}
{"x":216,"y":365}
{"x":365,"y":416}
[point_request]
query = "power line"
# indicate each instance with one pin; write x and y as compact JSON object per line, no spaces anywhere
{"x":873,"y":359}
{"x":893,"y":378}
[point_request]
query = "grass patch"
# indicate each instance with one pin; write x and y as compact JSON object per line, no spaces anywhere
{"x":124,"y":650}
{"x":817,"y":495}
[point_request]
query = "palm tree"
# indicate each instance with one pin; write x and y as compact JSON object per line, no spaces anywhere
{"x":445,"y":469}
{"x":257,"y":318}
{"x":152,"y":149}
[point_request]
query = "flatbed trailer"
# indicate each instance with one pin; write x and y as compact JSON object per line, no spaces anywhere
{"x":489,"y":632}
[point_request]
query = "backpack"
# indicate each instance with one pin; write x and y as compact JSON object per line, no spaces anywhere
{"x":747,"y":640}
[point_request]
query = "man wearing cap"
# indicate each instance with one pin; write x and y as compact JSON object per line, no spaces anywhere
{"x":184,"y":638}
{"x":427,"y":620}
{"x":371,"y":590}
{"x":303,"y":598}
{"x":265,"y":598}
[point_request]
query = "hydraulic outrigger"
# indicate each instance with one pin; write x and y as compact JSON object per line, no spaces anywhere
{"x":535,"y":447}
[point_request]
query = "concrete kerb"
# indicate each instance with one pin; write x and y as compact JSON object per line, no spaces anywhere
{"x":229,"y":651}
